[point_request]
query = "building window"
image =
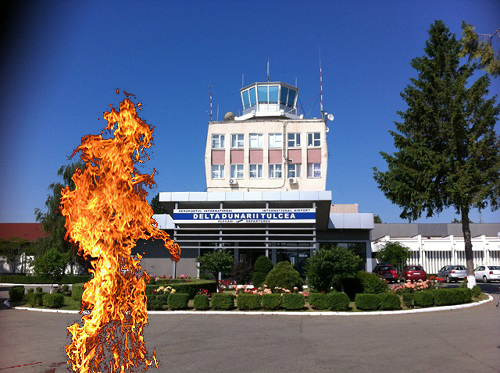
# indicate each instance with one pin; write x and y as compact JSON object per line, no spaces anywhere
{"x":275,"y":171}
{"x":314,"y":170}
{"x":294,"y":170}
{"x":217,"y":171}
{"x":275,"y":140}
{"x":237,"y":141}
{"x":256,"y":141}
{"x":237,"y":171}
{"x":218,"y":141}
{"x":314,"y":139}
{"x":255,"y":171}
{"x":294,"y":140}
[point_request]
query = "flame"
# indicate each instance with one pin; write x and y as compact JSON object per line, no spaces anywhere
{"x":106,"y":214}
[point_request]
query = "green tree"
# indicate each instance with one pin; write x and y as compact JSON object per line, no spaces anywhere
{"x":480,"y":47}
{"x":447,"y":149}
{"x":331,"y":265}
{"x":283,"y":276}
{"x":10,"y":251}
{"x":157,"y":206}
{"x":53,"y":222}
{"x":218,"y":261}
{"x":263,"y":265}
{"x":51,"y":265}
{"x":377,"y":219}
{"x":395,"y":254}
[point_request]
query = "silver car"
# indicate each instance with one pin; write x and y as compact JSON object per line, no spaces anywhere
{"x":452,"y":273}
{"x":487,"y":273}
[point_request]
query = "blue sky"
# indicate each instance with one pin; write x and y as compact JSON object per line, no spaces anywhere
{"x":63,"y":60}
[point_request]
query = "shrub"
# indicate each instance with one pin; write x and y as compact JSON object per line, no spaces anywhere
{"x":55,"y":300}
{"x":65,"y":288}
{"x":444,"y":297}
{"x":192,"y":288}
{"x":367,"y":302}
{"x":283,"y":276}
{"x":248,"y":301}
{"x":263,"y":265}
{"x":34,"y":299}
{"x":16,"y":293}
{"x":292,"y":302}
{"x":178,"y":301}
{"x":271,"y":301}
{"x":372,"y":283}
{"x":157,"y":302}
{"x":389,"y":301}
{"x":409,"y":299}
{"x":222,"y":301}
{"x":424,"y":298}
{"x":39,"y":290}
{"x":241,"y":272}
{"x":76,"y":291}
{"x":30,"y":290}
{"x":465,"y":295}
{"x":318,"y":301}
{"x":201,"y":302}
{"x":337,"y":301}
{"x":23,"y":279}
{"x":476,"y":291}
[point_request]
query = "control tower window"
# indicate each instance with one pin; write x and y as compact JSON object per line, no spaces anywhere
{"x":217,"y":141}
{"x":291,"y":98}
{"x":273,"y":94}
{"x":263,"y":94}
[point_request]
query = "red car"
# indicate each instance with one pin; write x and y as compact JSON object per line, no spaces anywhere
{"x":387,"y":272}
{"x":413,"y":273}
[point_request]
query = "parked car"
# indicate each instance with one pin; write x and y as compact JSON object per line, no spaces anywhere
{"x":452,"y":273}
{"x":487,"y":273}
{"x":387,"y":272}
{"x":413,"y":273}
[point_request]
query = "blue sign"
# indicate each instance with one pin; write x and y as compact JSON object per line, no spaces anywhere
{"x":207,"y":216}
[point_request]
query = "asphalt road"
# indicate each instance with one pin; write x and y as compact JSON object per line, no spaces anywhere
{"x":448,"y":341}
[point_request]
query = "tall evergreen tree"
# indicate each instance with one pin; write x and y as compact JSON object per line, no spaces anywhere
{"x":447,"y":149}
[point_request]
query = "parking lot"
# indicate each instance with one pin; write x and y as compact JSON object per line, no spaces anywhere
{"x":452,"y":341}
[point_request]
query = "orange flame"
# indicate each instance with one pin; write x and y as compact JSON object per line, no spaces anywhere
{"x":106,"y":214}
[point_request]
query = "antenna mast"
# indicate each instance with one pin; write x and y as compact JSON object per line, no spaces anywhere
{"x":321,"y":86}
{"x":210,"y":88}
{"x":268,"y":74}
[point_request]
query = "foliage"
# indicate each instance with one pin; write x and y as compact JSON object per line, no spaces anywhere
{"x":377,"y":219}
{"x":446,"y":297}
{"x":367,"y":302}
{"x":192,"y":288}
{"x":215,"y":262}
{"x":293,"y":302}
{"x":222,"y":301}
{"x":10,"y":250}
{"x":248,"y":302}
{"x":337,"y":301}
{"x":55,"y":300}
{"x":389,"y":301}
{"x":395,"y":254}
{"x":34,"y":299}
{"x":51,"y":265}
{"x":409,"y":299}
{"x":66,"y":279}
{"x":424,"y":298}
{"x":242,"y":272}
{"x":263,"y":265}
{"x":476,"y":291}
{"x":448,"y":153}
{"x":157,"y":302}
{"x":201,"y":302}
{"x":481,"y":50}
{"x":329,"y":265}
{"x":271,"y":301}
{"x":157,"y":206}
{"x":16,"y":293}
{"x":77,"y":291}
{"x":283,"y":276}
{"x":178,"y":301}
{"x":372,"y":283}
{"x":318,"y":301}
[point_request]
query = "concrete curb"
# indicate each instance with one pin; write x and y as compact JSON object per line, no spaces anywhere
{"x":285,"y":313}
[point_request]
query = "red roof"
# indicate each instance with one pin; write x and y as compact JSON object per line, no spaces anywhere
{"x":28,"y":231}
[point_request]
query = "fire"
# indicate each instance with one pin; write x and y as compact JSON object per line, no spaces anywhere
{"x":105,"y":215}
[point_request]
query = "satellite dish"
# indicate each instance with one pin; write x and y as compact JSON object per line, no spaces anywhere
{"x":229,"y":116}
{"x":330,"y":117}
{"x":327,"y":129}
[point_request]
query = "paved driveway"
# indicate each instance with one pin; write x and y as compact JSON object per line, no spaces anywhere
{"x":450,"y":341}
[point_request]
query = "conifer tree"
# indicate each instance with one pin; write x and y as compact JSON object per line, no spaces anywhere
{"x":447,"y":149}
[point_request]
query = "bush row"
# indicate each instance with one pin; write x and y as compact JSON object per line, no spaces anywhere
{"x":442,"y":297}
{"x":382,"y":301}
{"x":334,"y":301}
{"x":192,"y":288}
{"x":23,"y":279}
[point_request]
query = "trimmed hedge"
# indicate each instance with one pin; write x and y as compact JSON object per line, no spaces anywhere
{"x":201,"y":302}
{"x":178,"y":301}
{"x":222,"y":301}
{"x":424,"y":298}
{"x":55,"y":300}
{"x":19,"y":279}
{"x":271,"y":301}
{"x":337,"y":301}
{"x":192,"y":288}
{"x":476,"y":291}
{"x":409,"y":299}
{"x":318,"y":301}
{"x":367,"y":302}
{"x":293,"y":302}
{"x":447,"y":297}
{"x":248,"y":301}
{"x":77,"y":291}
{"x":157,"y":302}
{"x":16,"y":293}
{"x":389,"y":301}
{"x":34,"y":299}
